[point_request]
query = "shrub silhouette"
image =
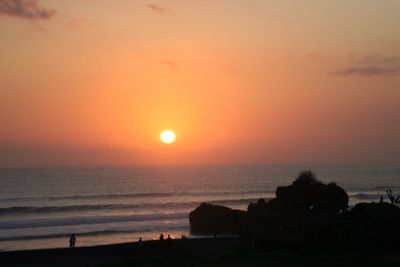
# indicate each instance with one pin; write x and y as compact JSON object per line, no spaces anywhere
{"x":393,"y":200}
{"x":306,"y":178}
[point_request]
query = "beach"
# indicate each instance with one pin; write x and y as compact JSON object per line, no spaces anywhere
{"x":116,"y":253}
{"x":187,"y":252}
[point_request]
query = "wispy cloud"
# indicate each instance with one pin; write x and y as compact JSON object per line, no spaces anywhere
{"x":77,"y":22}
{"x":157,"y":8}
{"x":373,"y":64}
{"x":168,"y":63}
{"x":377,"y":59}
{"x":368,"y":71}
{"x":314,"y":56}
{"x":26,"y":9}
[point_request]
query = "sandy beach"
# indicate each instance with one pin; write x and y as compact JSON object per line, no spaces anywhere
{"x":188,"y":252}
{"x":116,"y":253}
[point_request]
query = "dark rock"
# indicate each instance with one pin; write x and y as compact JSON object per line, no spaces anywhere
{"x":214,"y":219}
{"x":375,"y":212}
{"x":306,"y":214}
{"x":367,"y":227}
{"x":305,"y":196}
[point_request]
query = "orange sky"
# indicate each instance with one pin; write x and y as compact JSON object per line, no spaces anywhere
{"x":95,"y":82}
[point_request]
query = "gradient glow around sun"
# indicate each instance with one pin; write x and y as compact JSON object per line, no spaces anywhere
{"x":167,"y":137}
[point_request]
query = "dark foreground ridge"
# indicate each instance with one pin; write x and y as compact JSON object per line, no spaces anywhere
{"x":306,"y":215}
{"x":188,"y":252}
{"x":117,"y":253}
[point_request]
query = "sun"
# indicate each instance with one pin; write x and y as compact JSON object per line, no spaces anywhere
{"x":167,"y":137}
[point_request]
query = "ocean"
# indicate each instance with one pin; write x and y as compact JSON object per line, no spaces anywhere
{"x":41,"y":207}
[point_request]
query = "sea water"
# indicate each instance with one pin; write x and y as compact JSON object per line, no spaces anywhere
{"x":42,"y":207}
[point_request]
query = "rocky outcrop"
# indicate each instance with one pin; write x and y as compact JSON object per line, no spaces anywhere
{"x":306,"y":214}
{"x":376,"y":211}
{"x":214,"y":219}
{"x":305,"y":196}
{"x":367,"y":227}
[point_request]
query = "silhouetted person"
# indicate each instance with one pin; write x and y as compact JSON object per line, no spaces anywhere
{"x":169,"y":240}
{"x":140,"y":242}
{"x":72,"y":241}
{"x":183,"y":237}
{"x":381,"y":201}
{"x":161,"y":237}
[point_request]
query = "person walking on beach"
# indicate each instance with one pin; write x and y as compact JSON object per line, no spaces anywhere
{"x":169,"y":240}
{"x":72,"y":241}
{"x":161,"y":237}
{"x":140,"y":242}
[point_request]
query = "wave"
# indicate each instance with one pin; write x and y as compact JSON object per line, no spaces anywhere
{"x":71,"y":208}
{"x":86,"y":220}
{"x":371,"y":189}
{"x":368,"y":196}
{"x":19,"y":210}
{"x":138,"y":195}
{"x":89,"y":233}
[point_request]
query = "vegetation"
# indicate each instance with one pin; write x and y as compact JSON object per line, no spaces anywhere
{"x":393,"y":200}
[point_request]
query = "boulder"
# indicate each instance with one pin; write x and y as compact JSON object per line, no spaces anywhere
{"x":305,"y":196}
{"x":214,"y":219}
{"x":306,"y":214}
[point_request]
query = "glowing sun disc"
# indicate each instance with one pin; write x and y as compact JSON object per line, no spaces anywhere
{"x":167,"y":137}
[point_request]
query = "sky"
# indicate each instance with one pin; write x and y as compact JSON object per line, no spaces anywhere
{"x":94,"y":82}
